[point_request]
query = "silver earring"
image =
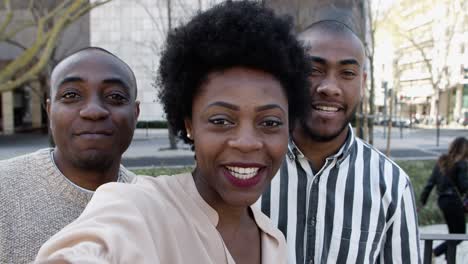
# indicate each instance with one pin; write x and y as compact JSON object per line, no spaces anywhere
{"x":189,"y":136}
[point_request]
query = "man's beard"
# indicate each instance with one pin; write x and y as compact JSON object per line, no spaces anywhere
{"x":98,"y":162}
{"x":325,"y":138}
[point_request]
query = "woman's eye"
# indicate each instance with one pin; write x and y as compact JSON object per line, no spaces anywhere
{"x":220,"y":121}
{"x":70,"y":95}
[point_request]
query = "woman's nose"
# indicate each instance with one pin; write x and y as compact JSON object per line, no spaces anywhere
{"x":246,"y":140}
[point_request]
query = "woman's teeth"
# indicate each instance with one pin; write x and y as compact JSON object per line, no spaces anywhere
{"x":243,"y":173}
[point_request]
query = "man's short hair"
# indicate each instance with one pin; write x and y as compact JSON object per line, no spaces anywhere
{"x":99,"y":49}
{"x":330,"y":25}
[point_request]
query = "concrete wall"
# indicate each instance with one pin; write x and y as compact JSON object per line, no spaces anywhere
{"x":135,"y":31}
{"x":305,"y":12}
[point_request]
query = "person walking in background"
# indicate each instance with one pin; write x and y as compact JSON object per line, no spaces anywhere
{"x":450,"y":175}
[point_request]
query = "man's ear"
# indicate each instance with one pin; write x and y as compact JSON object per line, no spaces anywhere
{"x":50,"y":124}
{"x":364,"y":83}
{"x":137,"y":110}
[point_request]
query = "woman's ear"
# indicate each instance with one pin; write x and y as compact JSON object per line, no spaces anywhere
{"x":188,"y":128}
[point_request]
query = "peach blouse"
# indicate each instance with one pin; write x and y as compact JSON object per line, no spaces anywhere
{"x":155,"y":220}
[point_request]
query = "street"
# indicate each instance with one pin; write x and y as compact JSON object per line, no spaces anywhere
{"x":150,"y":147}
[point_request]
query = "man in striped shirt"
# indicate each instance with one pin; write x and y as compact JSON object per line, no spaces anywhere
{"x":337,"y":199}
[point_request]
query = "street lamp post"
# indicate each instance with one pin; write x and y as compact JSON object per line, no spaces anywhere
{"x":437,"y":119}
{"x":384,"y":85}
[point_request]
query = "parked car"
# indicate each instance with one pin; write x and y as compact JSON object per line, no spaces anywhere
{"x":464,"y":119}
{"x":403,"y":122}
{"x":396,"y":122}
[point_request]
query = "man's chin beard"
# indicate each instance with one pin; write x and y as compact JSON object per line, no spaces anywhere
{"x":94,"y":163}
{"x":319,"y":137}
{"x":325,"y":138}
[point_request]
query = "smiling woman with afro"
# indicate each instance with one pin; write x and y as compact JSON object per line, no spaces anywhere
{"x":231,"y":81}
{"x":230,"y":34}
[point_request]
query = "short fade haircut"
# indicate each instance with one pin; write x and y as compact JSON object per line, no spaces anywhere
{"x":99,"y":49}
{"x":231,"y":34}
{"x":334,"y":27}
{"x":330,"y":25}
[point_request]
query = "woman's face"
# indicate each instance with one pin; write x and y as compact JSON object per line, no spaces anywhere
{"x":239,"y":126}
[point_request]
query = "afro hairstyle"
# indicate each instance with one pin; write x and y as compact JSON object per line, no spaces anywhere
{"x":242,"y":34}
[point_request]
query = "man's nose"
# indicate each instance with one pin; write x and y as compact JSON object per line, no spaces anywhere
{"x":94,"y":110}
{"x":246,"y":140}
{"x":329,"y":87}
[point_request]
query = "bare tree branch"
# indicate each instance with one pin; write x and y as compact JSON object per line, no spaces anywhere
{"x":60,"y":8}
{"x":16,"y":44}
{"x":8,"y":17}
{"x":156,"y":22}
{"x":30,"y":5}
{"x":86,"y":9}
{"x":184,"y":8}
{"x":436,"y":76}
{"x":20,"y":27}
{"x":437,"y":67}
{"x":36,"y":57}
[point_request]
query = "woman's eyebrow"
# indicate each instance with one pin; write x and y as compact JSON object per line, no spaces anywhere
{"x":225,"y":105}
{"x":268,"y":107}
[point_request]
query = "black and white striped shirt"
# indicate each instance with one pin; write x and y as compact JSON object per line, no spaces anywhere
{"x":359,"y":208}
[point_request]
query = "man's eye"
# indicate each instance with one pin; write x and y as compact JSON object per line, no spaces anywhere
{"x":349,"y":74}
{"x":118,"y":98}
{"x":272,"y":123}
{"x":315,"y":72}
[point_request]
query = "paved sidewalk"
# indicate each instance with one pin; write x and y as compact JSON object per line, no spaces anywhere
{"x":150,"y":146}
{"x":151,"y":142}
{"x":462,"y":248}
{"x":420,"y":142}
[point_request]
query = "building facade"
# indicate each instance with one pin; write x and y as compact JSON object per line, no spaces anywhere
{"x":135,"y":30}
{"x":423,"y":58}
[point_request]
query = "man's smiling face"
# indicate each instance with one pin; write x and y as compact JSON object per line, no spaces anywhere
{"x":337,"y":82}
{"x":92,"y":109}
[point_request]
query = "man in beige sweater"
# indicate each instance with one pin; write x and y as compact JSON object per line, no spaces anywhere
{"x":93,"y":112}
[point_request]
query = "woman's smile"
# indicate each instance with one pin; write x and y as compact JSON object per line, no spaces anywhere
{"x":239,"y":129}
{"x":243,"y":173}
{"x":244,"y":176}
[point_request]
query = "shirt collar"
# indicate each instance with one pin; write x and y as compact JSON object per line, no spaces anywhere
{"x":188,"y":184}
{"x":263,"y":222}
{"x":295,"y":153}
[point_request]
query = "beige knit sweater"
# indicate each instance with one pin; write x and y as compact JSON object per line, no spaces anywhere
{"x":36,"y":201}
